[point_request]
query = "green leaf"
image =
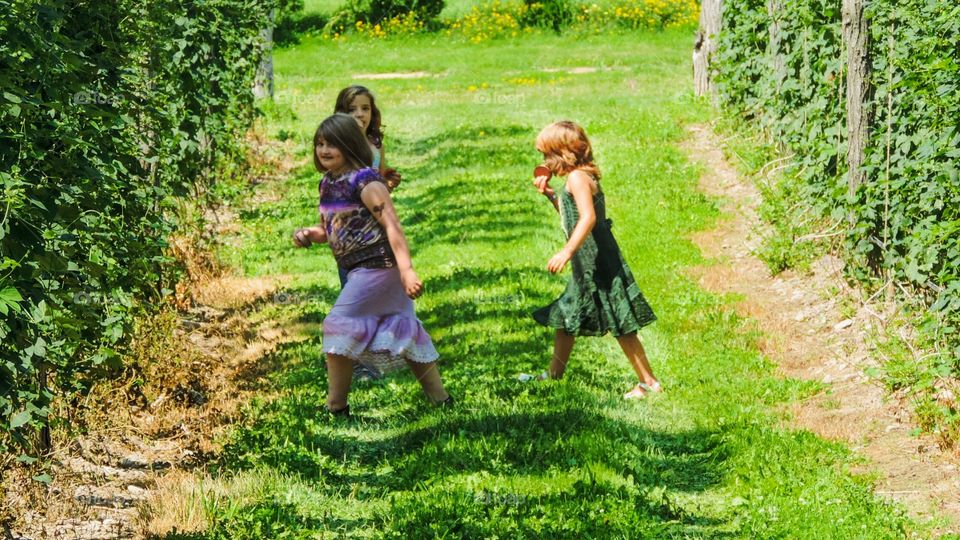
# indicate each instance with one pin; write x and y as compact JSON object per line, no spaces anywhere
{"x":10,"y":295}
{"x":43,"y":478}
{"x":20,"y":419}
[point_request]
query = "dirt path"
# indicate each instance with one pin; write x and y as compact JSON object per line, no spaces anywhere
{"x":199,"y":365}
{"x":808,"y":338}
{"x":104,"y":478}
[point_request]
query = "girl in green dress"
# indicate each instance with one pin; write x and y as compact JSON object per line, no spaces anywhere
{"x":601,"y":295}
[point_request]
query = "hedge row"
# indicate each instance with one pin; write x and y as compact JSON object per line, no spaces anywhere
{"x":111,"y":114}
{"x":487,"y":19}
{"x":904,"y":223}
{"x":916,"y":76}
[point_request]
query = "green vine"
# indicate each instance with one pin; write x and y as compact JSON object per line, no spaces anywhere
{"x":903,"y":225}
{"x":111,"y":112}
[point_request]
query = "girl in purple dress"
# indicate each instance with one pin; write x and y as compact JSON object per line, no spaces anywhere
{"x":373,"y":318}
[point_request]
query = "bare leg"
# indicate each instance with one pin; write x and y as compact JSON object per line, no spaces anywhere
{"x":339,"y":376}
{"x":429,"y":377}
{"x":632,"y":347}
{"x":562,"y":346}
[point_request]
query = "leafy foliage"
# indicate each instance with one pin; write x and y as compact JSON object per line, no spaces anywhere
{"x":553,"y":14}
{"x":380,"y":12}
{"x":492,"y":19}
{"x":904,"y":223}
{"x":110,"y":113}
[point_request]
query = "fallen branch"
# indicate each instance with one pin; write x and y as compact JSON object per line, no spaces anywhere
{"x":769,"y":163}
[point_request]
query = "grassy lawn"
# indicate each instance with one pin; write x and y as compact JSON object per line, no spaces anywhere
{"x":710,"y":458}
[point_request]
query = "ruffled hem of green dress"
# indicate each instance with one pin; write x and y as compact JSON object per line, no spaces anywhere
{"x":621,"y":311}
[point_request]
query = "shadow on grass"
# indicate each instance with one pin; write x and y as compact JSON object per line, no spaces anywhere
{"x":466,"y":207}
{"x":500,"y":426}
{"x":419,"y":446}
{"x":590,"y":508}
{"x":313,"y":445}
{"x":354,"y":455}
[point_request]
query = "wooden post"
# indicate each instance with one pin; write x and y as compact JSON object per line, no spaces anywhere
{"x":774,"y":11}
{"x":859,"y":90}
{"x":263,"y":84}
{"x":705,"y":45}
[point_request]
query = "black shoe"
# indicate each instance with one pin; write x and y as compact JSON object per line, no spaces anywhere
{"x":447,"y":403}
{"x":341,"y":413}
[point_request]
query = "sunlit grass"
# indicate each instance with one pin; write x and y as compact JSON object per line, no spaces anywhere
{"x":565,"y":459}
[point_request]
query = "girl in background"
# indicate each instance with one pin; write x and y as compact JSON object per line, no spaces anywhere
{"x":358,"y":102}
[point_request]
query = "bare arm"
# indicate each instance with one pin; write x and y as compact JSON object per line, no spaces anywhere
{"x":310,"y":235}
{"x":382,"y":171}
{"x":377,"y":199}
{"x":391,"y":176}
{"x":580,"y":185}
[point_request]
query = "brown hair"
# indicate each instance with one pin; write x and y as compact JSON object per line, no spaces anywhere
{"x":346,"y":96}
{"x":342,"y":132}
{"x":566,"y":148}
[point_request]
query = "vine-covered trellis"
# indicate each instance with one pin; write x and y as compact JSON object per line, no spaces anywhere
{"x":866,"y":95}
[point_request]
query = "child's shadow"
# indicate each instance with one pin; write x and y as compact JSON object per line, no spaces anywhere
{"x":477,"y":192}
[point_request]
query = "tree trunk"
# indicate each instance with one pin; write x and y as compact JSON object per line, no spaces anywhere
{"x":263,"y":84}
{"x":705,"y":46}
{"x":774,"y":9}
{"x":855,"y":36}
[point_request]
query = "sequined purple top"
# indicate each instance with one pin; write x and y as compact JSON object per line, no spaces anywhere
{"x":354,"y":235}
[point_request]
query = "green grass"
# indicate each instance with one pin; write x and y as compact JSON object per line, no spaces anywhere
{"x":568,"y":459}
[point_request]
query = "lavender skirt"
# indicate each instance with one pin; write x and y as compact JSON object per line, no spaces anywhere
{"x":373,"y":322}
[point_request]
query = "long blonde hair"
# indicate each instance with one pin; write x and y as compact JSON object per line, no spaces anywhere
{"x":566,"y":148}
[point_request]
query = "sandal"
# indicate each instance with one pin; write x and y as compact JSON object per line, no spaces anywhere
{"x":524,"y":377}
{"x":655,"y":387}
{"x":637,"y":392}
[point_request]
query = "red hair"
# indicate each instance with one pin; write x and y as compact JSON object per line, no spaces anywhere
{"x":566,"y":148}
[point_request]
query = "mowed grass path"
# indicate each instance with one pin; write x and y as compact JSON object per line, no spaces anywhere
{"x":711,"y":458}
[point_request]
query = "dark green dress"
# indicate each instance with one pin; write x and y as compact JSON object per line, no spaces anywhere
{"x":602,"y":295}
